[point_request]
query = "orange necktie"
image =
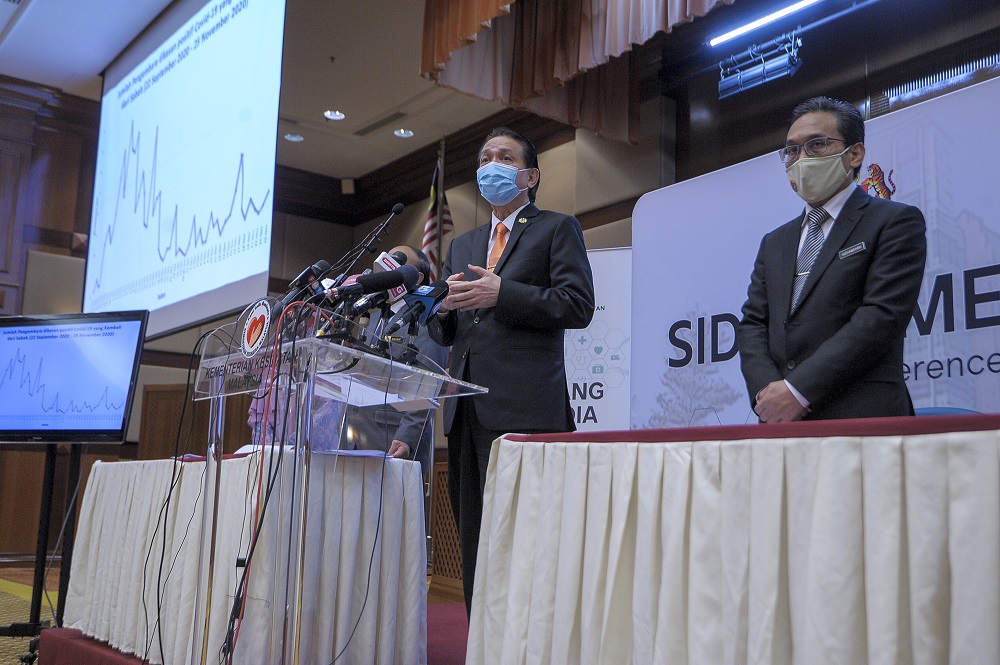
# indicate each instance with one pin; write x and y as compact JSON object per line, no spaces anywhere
{"x":498,"y":247}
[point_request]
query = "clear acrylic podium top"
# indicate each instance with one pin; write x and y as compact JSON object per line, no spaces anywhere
{"x":347,"y":361}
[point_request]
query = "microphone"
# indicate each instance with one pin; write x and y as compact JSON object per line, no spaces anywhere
{"x":386,"y":261}
{"x":391,"y":262}
{"x":366,"y":303}
{"x":310,"y":274}
{"x":330,"y":284}
{"x":370,"y":301}
{"x":378,"y":281}
{"x":302,"y":284}
{"x":422,"y":303}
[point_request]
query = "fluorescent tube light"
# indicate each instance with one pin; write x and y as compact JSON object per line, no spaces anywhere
{"x":781,"y":13}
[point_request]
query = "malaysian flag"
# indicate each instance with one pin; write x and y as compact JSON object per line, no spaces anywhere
{"x":431,"y":231}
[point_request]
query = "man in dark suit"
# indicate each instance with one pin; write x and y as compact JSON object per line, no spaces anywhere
{"x":515,"y":286}
{"x":833,"y":290}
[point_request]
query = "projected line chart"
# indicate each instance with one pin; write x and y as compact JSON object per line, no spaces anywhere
{"x":34,"y":392}
{"x":142,"y":217}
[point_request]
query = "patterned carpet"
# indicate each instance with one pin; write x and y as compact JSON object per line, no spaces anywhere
{"x":15,"y":606}
{"x":447,"y":628}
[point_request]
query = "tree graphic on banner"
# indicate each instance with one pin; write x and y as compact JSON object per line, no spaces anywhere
{"x":694,"y":394}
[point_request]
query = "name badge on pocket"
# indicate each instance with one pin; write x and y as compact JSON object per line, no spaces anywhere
{"x":852,"y":250}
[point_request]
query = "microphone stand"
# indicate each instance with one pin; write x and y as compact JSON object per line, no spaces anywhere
{"x":380,"y":345}
{"x":410,"y":356}
{"x":369,"y":243}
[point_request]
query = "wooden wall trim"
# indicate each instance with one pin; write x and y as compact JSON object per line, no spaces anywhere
{"x":608,"y":214}
{"x":52,"y":108}
{"x":166,"y":359}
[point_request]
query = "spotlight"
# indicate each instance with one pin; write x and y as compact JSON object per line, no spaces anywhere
{"x":759,"y":64}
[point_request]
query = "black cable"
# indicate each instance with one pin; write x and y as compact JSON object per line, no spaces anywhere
{"x":378,"y":526}
{"x":228,"y":647}
{"x":173,"y":561}
{"x":164,"y":512}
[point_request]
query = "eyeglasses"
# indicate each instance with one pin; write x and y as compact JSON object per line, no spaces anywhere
{"x":813,"y":148}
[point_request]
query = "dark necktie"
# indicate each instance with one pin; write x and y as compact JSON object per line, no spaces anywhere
{"x":810,"y":250}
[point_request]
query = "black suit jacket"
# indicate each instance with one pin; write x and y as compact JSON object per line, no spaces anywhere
{"x":842,"y":347}
{"x":516,"y":348}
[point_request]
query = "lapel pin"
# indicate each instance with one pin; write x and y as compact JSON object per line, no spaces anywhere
{"x":522,"y":220}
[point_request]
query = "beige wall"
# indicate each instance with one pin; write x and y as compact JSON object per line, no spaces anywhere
{"x":615,"y":234}
{"x":607,"y":172}
{"x":579,"y":176}
{"x":582,"y":175}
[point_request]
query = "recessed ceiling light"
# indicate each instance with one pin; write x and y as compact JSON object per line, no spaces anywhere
{"x":294,"y":138}
{"x":403,"y":133}
{"x":333,"y":115}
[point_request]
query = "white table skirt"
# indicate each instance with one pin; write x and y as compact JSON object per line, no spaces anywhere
{"x":813,"y":551}
{"x":112,"y":593}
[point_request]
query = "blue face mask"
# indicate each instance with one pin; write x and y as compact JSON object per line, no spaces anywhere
{"x":497,"y":183}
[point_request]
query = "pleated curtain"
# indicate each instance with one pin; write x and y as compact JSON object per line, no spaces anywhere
{"x":569,"y":60}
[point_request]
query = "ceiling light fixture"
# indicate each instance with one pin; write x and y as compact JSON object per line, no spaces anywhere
{"x":770,"y":18}
{"x":333,"y":115}
{"x":403,"y":133}
{"x":294,"y":138}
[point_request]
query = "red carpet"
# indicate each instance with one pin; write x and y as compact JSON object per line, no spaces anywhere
{"x":447,"y":635}
{"x":62,"y":646}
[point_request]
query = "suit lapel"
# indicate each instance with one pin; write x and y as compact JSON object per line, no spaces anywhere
{"x":480,"y":248}
{"x":519,"y":223}
{"x":788,"y":246}
{"x":849,"y":217}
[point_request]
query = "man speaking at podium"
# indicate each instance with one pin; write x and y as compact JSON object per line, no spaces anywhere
{"x":833,"y":290}
{"x":515,"y":287}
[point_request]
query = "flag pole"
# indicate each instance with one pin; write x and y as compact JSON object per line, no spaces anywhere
{"x":439,"y":194}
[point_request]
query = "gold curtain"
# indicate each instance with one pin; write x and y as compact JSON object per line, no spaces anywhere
{"x":565,"y":59}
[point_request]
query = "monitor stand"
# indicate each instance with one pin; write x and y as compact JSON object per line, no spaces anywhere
{"x":34,"y":625}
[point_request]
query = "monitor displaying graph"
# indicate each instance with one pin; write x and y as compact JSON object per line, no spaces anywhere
{"x":68,"y":377}
{"x":183,"y":192}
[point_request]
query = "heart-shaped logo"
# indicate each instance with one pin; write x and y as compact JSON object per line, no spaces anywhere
{"x":598,"y":349}
{"x":255,"y":326}
{"x":254,"y":330}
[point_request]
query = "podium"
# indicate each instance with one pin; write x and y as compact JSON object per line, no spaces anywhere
{"x":319,"y":379}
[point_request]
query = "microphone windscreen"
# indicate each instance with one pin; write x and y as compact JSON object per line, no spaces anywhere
{"x":411,"y":276}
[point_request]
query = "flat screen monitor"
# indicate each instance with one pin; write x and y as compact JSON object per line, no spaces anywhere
{"x":69,"y":377}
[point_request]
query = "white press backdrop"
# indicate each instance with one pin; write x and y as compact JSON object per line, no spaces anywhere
{"x":694,"y":245}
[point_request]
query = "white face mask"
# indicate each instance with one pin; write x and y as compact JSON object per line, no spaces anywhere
{"x":816,"y":179}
